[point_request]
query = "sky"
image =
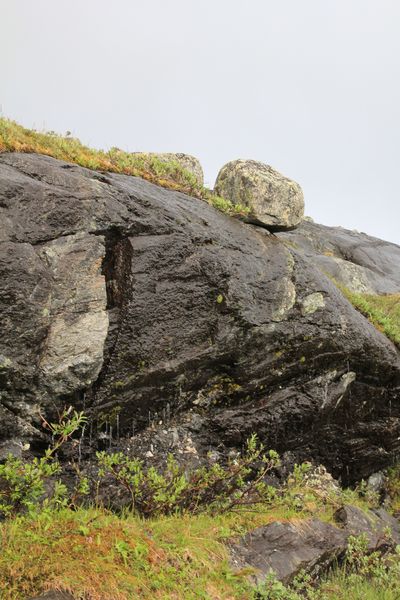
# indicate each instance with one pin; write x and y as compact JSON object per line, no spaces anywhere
{"x":310,"y":87}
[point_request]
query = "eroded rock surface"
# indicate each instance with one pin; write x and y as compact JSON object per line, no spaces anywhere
{"x":144,"y":305}
{"x":362,"y":263}
{"x":311,"y":545}
{"x":288,"y":548}
{"x":274,"y":200}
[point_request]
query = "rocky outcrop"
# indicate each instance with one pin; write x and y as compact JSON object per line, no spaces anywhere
{"x":186,"y":161}
{"x":143,"y":305}
{"x":285,"y":549}
{"x":311,"y":545}
{"x":362,"y":263}
{"x":274,"y":200}
{"x":379,"y":527}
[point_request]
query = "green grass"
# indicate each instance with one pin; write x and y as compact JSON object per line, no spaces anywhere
{"x":342,"y":586}
{"x":382,"y":311}
{"x":102,"y":556}
{"x":99,"y":555}
{"x":171,"y":175}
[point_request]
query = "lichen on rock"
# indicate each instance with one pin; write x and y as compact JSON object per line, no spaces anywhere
{"x":274,"y":200}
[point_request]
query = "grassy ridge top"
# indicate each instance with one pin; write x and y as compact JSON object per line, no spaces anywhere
{"x":170,"y":175}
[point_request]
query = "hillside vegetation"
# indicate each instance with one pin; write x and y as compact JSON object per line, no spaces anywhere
{"x":99,"y":555}
{"x":61,"y":540}
{"x":171,"y":175}
{"x":382,"y":311}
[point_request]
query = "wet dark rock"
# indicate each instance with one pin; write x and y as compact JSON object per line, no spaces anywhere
{"x":312,"y":546}
{"x":288,"y":548}
{"x":145,"y":306}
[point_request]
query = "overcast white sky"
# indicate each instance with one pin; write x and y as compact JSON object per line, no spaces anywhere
{"x":311,"y":87}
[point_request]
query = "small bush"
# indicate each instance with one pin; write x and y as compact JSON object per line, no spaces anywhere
{"x":23,"y":484}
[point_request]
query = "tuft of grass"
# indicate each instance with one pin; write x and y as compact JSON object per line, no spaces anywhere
{"x":382,"y":311}
{"x":170,"y":175}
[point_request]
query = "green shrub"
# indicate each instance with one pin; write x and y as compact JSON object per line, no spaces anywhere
{"x":217,"y":488}
{"x":23,"y":484}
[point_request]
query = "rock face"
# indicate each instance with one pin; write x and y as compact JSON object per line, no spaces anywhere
{"x":142,"y":304}
{"x":380,"y":528}
{"x":186,"y":161}
{"x":274,"y":200}
{"x":362,"y":263}
{"x":288,"y":548}
{"x":311,"y":545}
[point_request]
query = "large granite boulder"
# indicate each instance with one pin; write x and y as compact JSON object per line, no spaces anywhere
{"x":186,"y":161}
{"x":145,"y":306}
{"x":274,"y":200}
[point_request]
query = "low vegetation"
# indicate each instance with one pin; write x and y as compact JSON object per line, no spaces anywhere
{"x":382,"y":311}
{"x":170,"y":540}
{"x":171,"y":175}
{"x":363,"y":576}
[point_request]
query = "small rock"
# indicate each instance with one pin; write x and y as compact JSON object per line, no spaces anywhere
{"x":376,"y":482}
{"x":320,"y":480}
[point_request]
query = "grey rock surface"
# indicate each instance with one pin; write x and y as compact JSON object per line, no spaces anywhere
{"x":361,"y":262}
{"x":286,"y":548}
{"x":375,"y":525}
{"x":274,"y":200}
{"x":312,"y":546}
{"x":129,"y":300}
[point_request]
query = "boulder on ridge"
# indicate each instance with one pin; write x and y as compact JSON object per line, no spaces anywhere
{"x":274,"y":200}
